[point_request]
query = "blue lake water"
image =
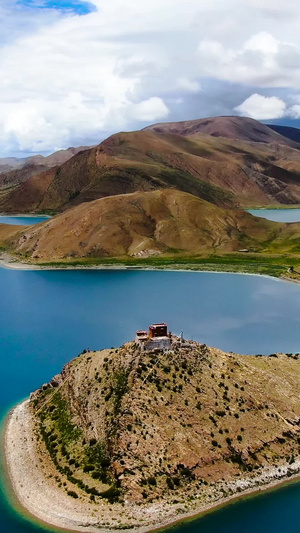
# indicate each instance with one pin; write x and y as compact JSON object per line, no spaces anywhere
{"x":277,"y":215}
{"x":25,"y":220}
{"x":48,"y":317}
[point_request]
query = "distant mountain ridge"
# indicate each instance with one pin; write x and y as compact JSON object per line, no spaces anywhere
{"x":228,"y":161}
{"x":287,"y":131}
{"x":14,"y":170}
{"x":231,"y":127}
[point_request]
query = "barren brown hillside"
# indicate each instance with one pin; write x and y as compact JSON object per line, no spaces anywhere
{"x":224,"y":172}
{"x":14,"y":171}
{"x":239,"y":128}
{"x":150,"y":223}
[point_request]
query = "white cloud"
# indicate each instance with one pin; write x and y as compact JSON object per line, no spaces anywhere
{"x":263,"y":107}
{"x":262,"y":61}
{"x":70,"y":79}
{"x":152,"y":109}
{"x":189,"y":86}
{"x":262,"y":42}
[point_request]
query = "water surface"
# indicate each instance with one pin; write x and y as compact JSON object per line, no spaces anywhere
{"x":277,"y":215}
{"x":48,"y":317}
{"x":24,"y":220}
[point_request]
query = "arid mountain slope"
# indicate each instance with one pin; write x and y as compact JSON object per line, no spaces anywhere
{"x":14,"y":171}
{"x":152,"y":432}
{"x":224,"y":172}
{"x":236,"y":128}
{"x":286,"y":131}
{"x":9,"y":163}
{"x":151,"y":223}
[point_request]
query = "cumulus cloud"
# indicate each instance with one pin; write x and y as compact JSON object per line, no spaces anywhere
{"x":262,"y":107}
{"x":68,"y":79}
{"x":262,"y":60}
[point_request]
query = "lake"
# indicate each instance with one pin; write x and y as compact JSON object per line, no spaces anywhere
{"x":48,"y":317}
{"x":23,"y":220}
{"x":277,"y":215}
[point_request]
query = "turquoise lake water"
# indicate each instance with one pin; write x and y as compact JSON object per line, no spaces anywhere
{"x":47,"y":318}
{"x":25,"y":220}
{"x":278,"y":215}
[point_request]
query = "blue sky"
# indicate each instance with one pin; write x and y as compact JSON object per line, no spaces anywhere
{"x":69,"y":80}
{"x":69,"y":6}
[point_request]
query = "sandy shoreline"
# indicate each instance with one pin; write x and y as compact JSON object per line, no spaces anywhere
{"x":39,"y":497}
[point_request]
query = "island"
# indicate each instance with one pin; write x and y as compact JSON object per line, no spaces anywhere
{"x":160,"y":429}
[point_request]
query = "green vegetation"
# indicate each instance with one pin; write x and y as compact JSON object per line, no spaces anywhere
{"x":71,"y":455}
{"x":272,"y":265}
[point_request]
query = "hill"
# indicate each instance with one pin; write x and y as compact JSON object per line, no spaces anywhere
{"x":158,"y":223}
{"x":290,"y":133}
{"x":225,"y":172}
{"x":125,"y":439}
{"x":14,"y":171}
{"x":235,"y":128}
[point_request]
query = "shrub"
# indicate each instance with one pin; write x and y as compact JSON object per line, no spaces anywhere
{"x":88,"y":468}
{"x":170,"y":483}
{"x":72,"y":494}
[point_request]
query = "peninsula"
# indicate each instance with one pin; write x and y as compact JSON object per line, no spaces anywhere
{"x":152,"y":432}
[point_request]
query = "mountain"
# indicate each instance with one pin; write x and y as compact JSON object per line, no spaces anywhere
{"x":126,"y":439}
{"x":198,"y":159}
{"x":235,"y":128}
{"x":9,"y":163}
{"x":14,"y":171}
{"x":222,"y":171}
{"x":164,"y":222}
{"x":286,"y":131}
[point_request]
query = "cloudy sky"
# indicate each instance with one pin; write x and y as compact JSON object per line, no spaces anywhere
{"x":73,"y":72}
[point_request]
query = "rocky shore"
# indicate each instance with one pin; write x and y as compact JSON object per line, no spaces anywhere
{"x":35,"y":489}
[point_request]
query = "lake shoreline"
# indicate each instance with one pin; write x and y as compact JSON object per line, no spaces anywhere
{"x":41,"y":501}
{"x":18,"y":265}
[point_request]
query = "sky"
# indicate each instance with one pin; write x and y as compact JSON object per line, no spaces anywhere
{"x":73,"y":72}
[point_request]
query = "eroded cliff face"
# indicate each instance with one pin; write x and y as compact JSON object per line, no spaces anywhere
{"x":138,"y":427}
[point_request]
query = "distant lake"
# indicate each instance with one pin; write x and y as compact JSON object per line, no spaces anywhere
{"x":24,"y":220}
{"x":277,"y":215}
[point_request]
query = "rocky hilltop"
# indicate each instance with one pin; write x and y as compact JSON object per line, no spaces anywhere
{"x":126,"y":439}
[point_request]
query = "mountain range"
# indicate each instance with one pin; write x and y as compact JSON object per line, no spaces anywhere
{"x":14,"y":171}
{"x":170,"y":188}
{"x":229,"y":161}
